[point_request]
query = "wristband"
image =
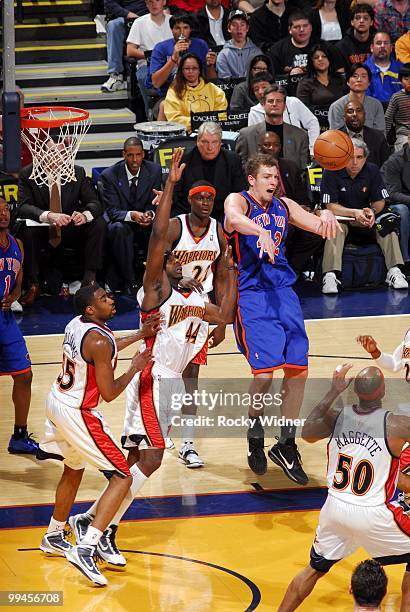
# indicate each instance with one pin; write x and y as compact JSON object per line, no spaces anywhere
{"x":174,"y":61}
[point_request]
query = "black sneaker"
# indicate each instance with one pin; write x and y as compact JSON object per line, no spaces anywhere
{"x":287,"y":457}
{"x":108,"y":550}
{"x":256,"y":455}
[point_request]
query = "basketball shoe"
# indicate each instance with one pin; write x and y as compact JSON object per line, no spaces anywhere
{"x":79,"y":524}
{"x":107,"y":548}
{"x":288,"y":458}
{"x":189,"y":456}
{"x":83,"y":557}
{"x":55,"y":543}
{"x":256,"y":455}
{"x":23,"y":446}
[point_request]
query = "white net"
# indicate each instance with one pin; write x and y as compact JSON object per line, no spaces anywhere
{"x":54,"y":149}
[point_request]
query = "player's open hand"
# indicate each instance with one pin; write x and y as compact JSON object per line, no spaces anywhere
{"x":177,"y":168}
{"x":191,"y":283}
{"x":368,"y":343}
{"x":329,"y":225}
{"x":151,"y":325}
{"x":266,"y":245}
{"x":141,"y":360}
{"x":339,"y":381}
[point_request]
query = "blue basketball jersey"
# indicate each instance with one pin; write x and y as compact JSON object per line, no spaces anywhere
{"x":10,"y":264}
{"x":259,"y":272}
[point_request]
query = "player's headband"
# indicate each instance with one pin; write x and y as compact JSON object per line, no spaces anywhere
{"x":200,"y":189}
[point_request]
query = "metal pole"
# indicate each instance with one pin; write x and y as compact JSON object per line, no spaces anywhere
{"x":10,"y":98}
{"x":9,"y":46}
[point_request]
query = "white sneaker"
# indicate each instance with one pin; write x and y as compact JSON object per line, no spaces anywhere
{"x":55,"y":543}
{"x":115,"y":82}
{"x":396,"y":279}
{"x":16,"y":307}
{"x":82,"y":556}
{"x":330,"y":283}
{"x":190,"y":457}
{"x":108,"y":550}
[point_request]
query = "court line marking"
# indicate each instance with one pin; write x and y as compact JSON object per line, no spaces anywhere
{"x":256,"y":594}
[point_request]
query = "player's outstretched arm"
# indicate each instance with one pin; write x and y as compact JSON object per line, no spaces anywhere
{"x":237,"y":221}
{"x":321,"y":421}
{"x":388,"y":361}
{"x":150,"y":327}
{"x":225,"y":312}
{"x":158,"y":239}
{"x":326,"y":225}
{"x":97,"y":349}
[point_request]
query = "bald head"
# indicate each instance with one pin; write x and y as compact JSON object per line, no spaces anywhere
{"x":369,"y":384}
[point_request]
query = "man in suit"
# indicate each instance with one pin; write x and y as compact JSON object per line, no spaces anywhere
{"x":300,"y":244}
{"x":209,"y":161}
{"x":355,"y":117}
{"x":128,"y":188}
{"x":295,"y":142}
{"x":75,"y":219}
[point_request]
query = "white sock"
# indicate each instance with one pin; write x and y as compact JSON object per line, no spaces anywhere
{"x":92,"y":536}
{"x":138,"y":480}
{"x":55,"y":525}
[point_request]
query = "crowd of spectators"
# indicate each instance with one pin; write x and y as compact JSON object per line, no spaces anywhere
{"x":351,"y":63}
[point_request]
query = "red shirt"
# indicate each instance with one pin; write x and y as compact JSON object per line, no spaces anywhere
{"x":192,"y":6}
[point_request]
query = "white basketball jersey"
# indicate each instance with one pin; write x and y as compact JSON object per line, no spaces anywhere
{"x":361,"y":469}
{"x":197,"y":255}
{"x":76,"y":384}
{"x":182,"y":334}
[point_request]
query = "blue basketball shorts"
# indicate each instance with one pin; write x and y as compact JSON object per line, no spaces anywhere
{"x":270,"y":331}
{"x":14,"y":357}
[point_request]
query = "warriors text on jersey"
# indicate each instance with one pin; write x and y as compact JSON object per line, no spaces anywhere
{"x":361,"y":469}
{"x":181,"y":336}
{"x":76,"y":384}
{"x":258,"y":272}
{"x":10,"y":264}
{"x":197,"y":255}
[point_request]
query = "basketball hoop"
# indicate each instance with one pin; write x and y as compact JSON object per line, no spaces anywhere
{"x":53,"y":135}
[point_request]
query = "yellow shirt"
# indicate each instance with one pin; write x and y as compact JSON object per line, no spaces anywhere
{"x":402,"y":48}
{"x":204,"y":97}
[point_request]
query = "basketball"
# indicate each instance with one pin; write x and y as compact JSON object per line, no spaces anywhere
{"x":333,"y":150}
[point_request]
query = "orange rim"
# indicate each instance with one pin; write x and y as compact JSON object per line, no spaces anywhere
{"x":27,"y":120}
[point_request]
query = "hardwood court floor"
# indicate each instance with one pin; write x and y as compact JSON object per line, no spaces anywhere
{"x":265,"y":546}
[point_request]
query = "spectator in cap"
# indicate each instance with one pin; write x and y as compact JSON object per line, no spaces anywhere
{"x":234,"y":58}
